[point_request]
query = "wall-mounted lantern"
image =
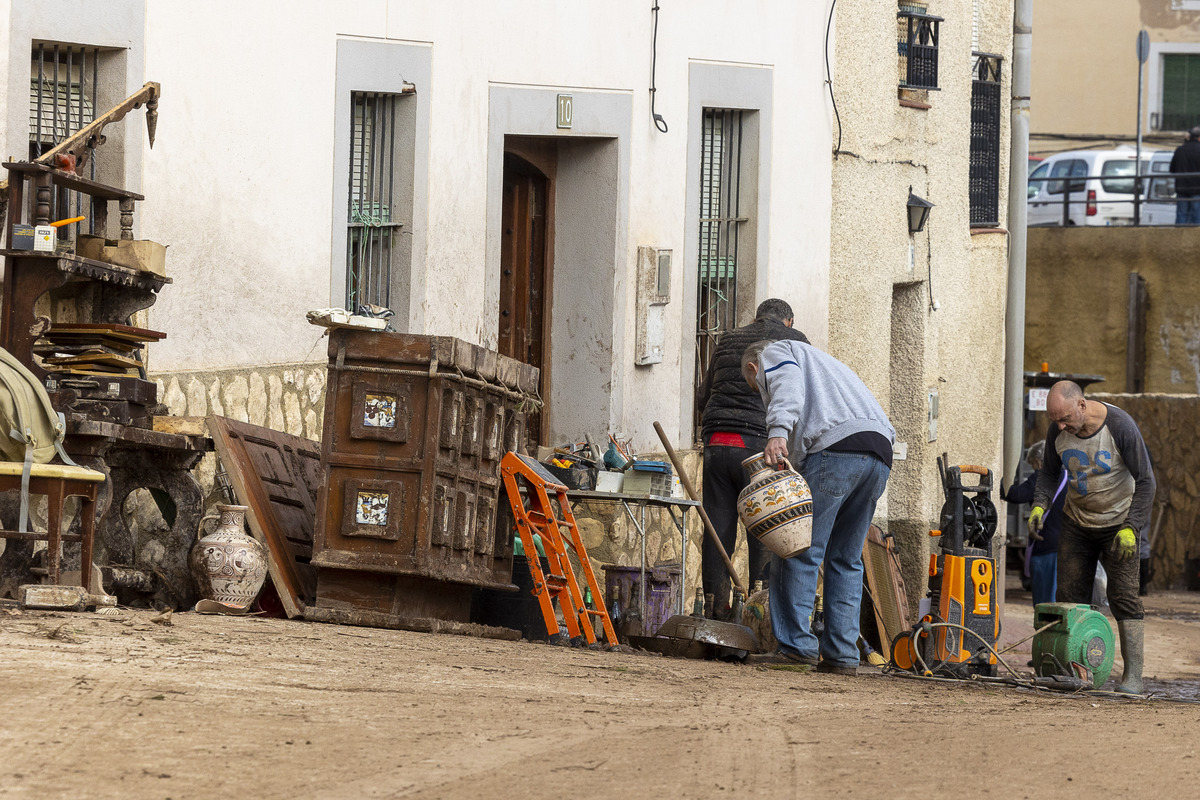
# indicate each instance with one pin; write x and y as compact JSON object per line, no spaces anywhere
{"x":918,"y":212}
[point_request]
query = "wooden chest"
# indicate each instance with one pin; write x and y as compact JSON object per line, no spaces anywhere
{"x":415,"y":427}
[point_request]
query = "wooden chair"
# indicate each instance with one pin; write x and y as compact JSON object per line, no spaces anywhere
{"x":58,"y":482}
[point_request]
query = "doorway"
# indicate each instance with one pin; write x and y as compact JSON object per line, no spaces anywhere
{"x":525,"y":269}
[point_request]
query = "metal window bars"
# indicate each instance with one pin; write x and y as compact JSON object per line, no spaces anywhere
{"x":918,"y":48}
{"x":984,"y":176}
{"x":720,"y":220}
{"x":63,"y":89}
{"x":371,"y":230}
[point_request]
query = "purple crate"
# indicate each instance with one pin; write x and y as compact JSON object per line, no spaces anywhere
{"x":622,"y":597}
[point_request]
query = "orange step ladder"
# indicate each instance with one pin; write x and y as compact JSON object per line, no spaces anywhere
{"x":535,"y":514}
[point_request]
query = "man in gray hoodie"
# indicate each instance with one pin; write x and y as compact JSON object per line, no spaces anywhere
{"x":840,"y":440}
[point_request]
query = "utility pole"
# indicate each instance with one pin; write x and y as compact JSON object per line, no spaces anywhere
{"x":1018,"y":180}
{"x":1014,"y":313}
{"x":1143,"y":52}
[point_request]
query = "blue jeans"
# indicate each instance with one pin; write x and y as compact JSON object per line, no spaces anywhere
{"x":1187,"y":211}
{"x":845,"y":488}
{"x":1043,"y":574}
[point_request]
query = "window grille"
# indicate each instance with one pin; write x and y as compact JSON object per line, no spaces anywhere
{"x":372,"y":230}
{"x":720,"y":221}
{"x":62,"y":101}
{"x":985,"y":141}
{"x":918,"y":47}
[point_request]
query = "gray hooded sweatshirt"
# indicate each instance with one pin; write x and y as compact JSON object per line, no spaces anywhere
{"x":814,"y":401}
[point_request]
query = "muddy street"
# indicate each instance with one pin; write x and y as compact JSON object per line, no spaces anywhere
{"x":246,"y":707}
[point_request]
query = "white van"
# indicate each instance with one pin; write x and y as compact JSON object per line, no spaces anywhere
{"x":1159,"y":208}
{"x":1098,"y":185}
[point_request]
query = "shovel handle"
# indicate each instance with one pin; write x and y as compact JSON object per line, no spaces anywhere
{"x":708,"y":526}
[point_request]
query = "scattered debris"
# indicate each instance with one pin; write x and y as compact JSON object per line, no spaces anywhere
{"x":63,"y":633}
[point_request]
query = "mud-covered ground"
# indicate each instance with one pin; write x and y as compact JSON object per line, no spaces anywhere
{"x":256,"y":708}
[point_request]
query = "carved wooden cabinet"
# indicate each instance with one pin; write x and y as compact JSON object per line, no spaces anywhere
{"x":415,"y":427}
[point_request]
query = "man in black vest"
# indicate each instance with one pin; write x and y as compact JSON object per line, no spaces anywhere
{"x":734,"y":427}
{"x":1187,"y":187}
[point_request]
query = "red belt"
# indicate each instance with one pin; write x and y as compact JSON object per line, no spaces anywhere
{"x":727,"y":439}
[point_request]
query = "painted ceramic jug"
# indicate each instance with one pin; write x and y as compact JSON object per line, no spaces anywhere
{"x":776,"y":507}
{"x":228,"y":565}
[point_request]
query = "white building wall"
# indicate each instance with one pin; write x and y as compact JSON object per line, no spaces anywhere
{"x":240,"y":182}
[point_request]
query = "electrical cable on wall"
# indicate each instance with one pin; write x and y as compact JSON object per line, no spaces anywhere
{"x":829,"y":80}
{"x":933,"y":304}
{"x":659,"y":122}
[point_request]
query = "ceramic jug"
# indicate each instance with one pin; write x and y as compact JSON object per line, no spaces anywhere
{"x":228,"y":565}
{"x":776,"y":507}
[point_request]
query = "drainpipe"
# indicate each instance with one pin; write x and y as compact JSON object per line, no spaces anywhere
{"x":1018,"y":179}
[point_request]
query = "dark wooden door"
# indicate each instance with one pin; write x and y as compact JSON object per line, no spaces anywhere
{"x":523,"y":268}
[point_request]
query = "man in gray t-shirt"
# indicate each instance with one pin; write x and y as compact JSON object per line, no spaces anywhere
{"x":1110,"y":488}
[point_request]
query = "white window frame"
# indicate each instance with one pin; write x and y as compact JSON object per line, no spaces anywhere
{"x":1154,"y":73}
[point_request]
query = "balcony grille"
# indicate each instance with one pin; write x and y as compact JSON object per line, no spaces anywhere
{"x":918,"y":48}
{"x":984,"y":177}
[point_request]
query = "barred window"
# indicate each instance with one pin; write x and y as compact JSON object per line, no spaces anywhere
{"x":985,"y":141}
{"x":372,"y":228}
{"x":917,"y":44}
{"x":62,"y":93}
{"x":721,"y":220}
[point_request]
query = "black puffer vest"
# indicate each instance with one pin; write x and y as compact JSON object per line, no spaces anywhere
{"x":729,"y":404}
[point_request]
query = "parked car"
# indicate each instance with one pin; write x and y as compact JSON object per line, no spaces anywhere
{"x":1097,"y":185}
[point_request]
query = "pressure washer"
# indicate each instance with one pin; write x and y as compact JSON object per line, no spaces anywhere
{"x":957,"y":636}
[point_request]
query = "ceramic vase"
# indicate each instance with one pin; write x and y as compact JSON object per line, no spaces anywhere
{"x":776,"y":507}
{"x":227,"y":564}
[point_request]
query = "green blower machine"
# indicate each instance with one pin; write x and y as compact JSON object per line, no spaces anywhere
{"x":1077,"y":651}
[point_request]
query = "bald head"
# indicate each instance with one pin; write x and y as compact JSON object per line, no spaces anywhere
{"x":1065,"y":390}
{"x":1068,"y":408}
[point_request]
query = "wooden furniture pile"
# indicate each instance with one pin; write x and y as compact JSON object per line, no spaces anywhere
{"x":69,"y":320}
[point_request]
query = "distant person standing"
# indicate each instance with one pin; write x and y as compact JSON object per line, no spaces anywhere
{"x":1187,"y":189}
{"x":734,"y":424}
{"x":1042,"y":553}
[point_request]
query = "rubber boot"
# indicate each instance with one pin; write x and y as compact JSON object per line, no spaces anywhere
{"x":1133,"y":642}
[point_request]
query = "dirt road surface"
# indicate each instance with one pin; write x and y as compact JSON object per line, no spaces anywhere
{"x":210,"y":707}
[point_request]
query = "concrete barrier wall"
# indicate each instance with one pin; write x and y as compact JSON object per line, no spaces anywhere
{"x":1076,"y":304}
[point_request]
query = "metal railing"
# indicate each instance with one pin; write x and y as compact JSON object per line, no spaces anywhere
{"x":1077,"y":200}
{"x":918,"y":48}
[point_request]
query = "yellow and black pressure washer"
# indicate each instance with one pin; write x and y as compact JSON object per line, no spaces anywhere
{"x":957,"y":636}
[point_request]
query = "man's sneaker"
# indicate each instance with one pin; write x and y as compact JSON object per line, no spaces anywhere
{"x":781,"y":657}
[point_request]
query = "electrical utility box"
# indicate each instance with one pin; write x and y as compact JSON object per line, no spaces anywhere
{"x":653,"y":294}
